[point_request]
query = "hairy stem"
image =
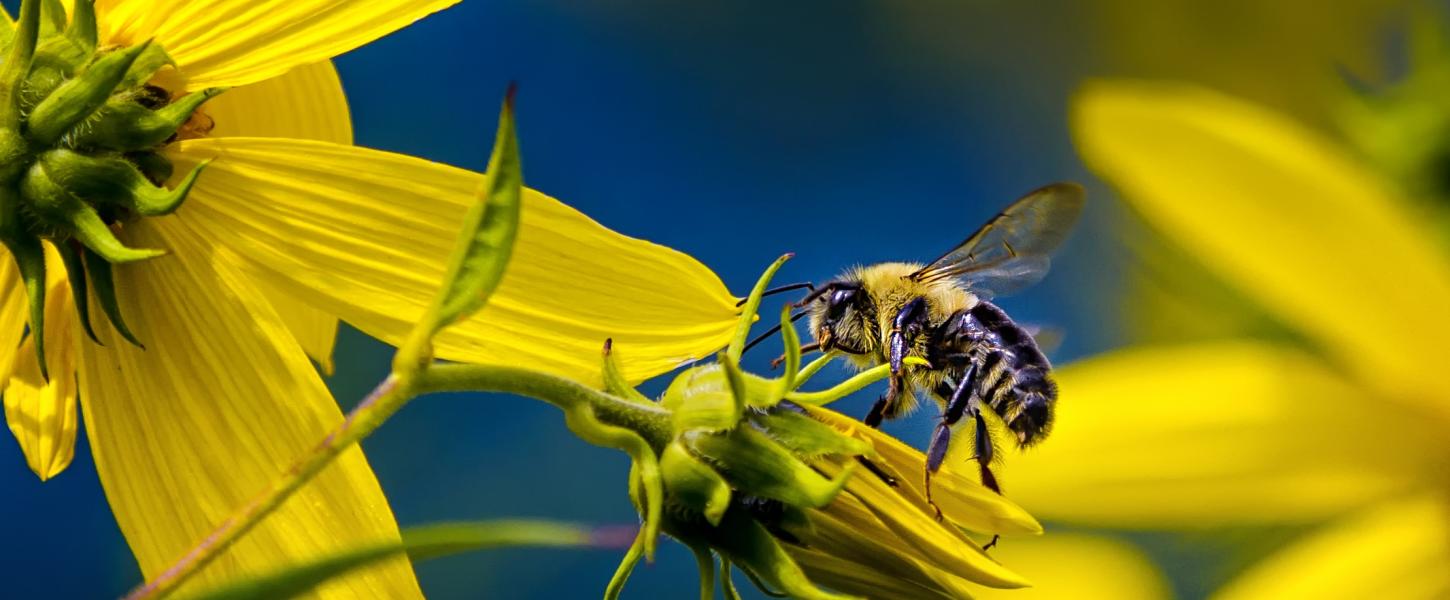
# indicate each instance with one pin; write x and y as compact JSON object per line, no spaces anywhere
{"x":650,"y":422}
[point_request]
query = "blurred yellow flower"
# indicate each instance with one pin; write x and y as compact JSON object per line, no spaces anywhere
{"x":288,"y":228}
{"x":1346,"y":430}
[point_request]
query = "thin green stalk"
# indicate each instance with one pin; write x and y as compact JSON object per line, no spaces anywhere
{"x":651,"y":422}
{"x":361,"y":422}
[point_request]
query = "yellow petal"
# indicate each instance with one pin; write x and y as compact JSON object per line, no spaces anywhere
{"x":365,"y":235}
{"x":1068,"y":565}
{"x":219,"y":403}
{"x":42,"y":414}
{"x":307,"y":103}
{"x":237,"y":42}
{"x":314,"y":329}
{"x":14,"y":313}
{"x":1213,"y":434}
{"x":1399,"y":550}
{"x":1285,"y":216}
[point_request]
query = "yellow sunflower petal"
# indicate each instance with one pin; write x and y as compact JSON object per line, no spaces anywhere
{"x":306,"y":103}
{"x":237,"y":42}
{"x":1067,"y":565}
{"x":1398,"y":550}
{"x":1212,"y":434}
{"x":42,"y":414}
{"x":1283,"y":215}
{"x":14,"y":313}
{"x":365,"y":235}
{"x":219,"y":403}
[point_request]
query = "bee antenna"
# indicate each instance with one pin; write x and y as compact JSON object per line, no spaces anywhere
{"x":769,"y":332}
{"x":784,"y":288}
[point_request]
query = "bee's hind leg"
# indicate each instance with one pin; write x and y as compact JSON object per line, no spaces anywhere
{"x":959,"y":400}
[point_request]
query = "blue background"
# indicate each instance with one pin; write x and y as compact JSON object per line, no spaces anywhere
{"x":734,"y":132}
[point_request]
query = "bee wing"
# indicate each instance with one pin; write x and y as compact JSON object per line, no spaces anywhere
{"x":1011,"y":251}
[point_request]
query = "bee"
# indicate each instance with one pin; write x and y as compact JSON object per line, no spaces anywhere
{"x":941,"y":312}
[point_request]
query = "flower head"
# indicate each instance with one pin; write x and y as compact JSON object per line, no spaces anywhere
{"x":178,"y":253}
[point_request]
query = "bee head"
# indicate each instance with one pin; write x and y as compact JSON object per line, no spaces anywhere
{"x":836,"y":311}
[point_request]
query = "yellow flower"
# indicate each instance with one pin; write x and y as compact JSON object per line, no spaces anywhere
{"x":288,"y":228}
{"x":1344,"y":428}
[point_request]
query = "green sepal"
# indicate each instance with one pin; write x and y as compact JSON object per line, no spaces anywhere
{"x":75,"y":272}
{"x":705,"y":563}
{"x":694,"y":484}
{"x":17,"y":64}
{"x":151,"y":60}
{"x":614,"y":381}
{"x":114,"y":180}
{"x":626,"y":567}
{"x":76,"y":99}
{"x":581,"y":420}
{"x":747,"y":544}
{"x":82,"y":29}
{"x":727,"y":585}
{"x":155,"y":167}
{"x":58,"y":208}
{"x":103,"y":284}
{"x":125,"y":125}
{"x":850,"y":386}
{"x":419,"y":543}
{"x":814,"y":367}
{"x":30,"y":258}
{"x":52,"y":17}
{"x":756,"y":465}
{"x":791,"y":339}
{"x":808,"y":437}
{"x":700,"y":399}
{"x":751,"y":306}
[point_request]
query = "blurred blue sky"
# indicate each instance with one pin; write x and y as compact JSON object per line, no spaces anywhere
{"x":732,"y":131}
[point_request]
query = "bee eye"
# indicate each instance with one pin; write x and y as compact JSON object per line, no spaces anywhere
{"x":842,"y":297}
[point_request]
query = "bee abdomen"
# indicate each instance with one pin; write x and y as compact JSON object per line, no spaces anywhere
{"x":1031,"y":415}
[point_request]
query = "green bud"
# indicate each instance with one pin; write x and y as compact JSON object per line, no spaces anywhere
{"x":692,"y":483}
{"x":76,"y":99}
{"x":700,"y":399}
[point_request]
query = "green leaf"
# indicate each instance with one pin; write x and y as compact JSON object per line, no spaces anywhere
{"x":489,"y":230}
{"x":485,"y":244}
{"x":420,"y":543}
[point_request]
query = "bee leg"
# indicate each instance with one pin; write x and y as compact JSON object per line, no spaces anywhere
{"x":941,"y":438}
{"x":878,"y":410}
{"x":811,"y":347}
{"x":909,"y":323}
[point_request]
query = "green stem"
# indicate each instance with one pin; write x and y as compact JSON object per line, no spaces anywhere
{"x":364,"y":419}
{"x":650,"y":422}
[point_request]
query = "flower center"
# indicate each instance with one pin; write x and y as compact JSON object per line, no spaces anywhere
{"x":81,"y":132}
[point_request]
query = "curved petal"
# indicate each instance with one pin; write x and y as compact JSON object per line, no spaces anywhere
{"x":1201,"y":436}
{"x":1398,"y":550}
{"x":1283,"y":215}
{"x":220,"y":43}
{"x":42,"y":414}
{"x":14,"y":314}
{"x":219,"y":403}
{"x":1072,"y":565}
{"x":305,"y":103}
{"x":365,"y":235}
